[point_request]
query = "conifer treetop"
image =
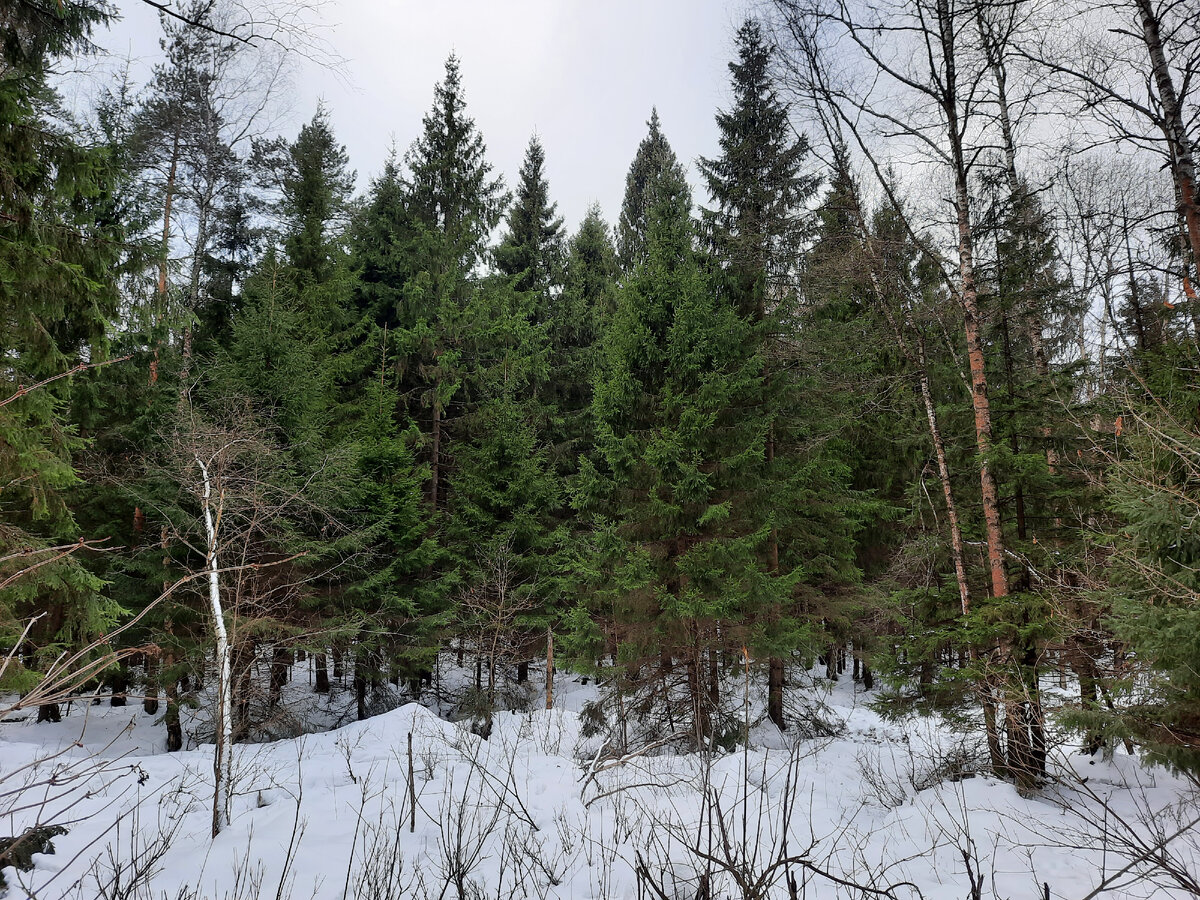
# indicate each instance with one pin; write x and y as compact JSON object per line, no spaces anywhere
{"x":655,"y":175}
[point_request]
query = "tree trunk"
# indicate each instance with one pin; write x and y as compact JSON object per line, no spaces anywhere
{"x":991,"y":728}
{"x":702,"y":720}
{"x":361,"y":676}
{"x":972,"y":327}
{"x":549,"y":668}
{"x":775,"y":692}
{"x":223,"y":758}
{"x":918,"y":360}
{"x":968,"y":298}
{"x":281,"y":661}
{"x":171,"y":719}
{"x":979,"y":397}
{"x":166,"y":233}
{"x":714,"y":679}
{"x":150,"y":701}
{"x":1089,"y":691}
{"x":242,"y":675}
{"x":1183,"y":164}
{"x":321,"y":685}
{"x":360,"y":694}
{"x":120,"y":687}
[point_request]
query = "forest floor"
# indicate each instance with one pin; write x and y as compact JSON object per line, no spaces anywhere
{"x":850,"y":805}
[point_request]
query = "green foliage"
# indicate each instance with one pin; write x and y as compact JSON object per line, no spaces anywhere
{"x":59,"y":261}
{"x":655,"y":176}
{"x":758,"y":226}
{"x":531,"y":252}
{"x":681,"y":450}
{"x":1154,"y":559}
{"x":663,"y":442}
{"x":316,"y":194}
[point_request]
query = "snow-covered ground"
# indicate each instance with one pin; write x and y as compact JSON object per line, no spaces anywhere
{"x":539,"y":811}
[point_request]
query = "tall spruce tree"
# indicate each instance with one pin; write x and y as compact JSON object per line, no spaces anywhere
{"x":453,"y":203}
{"x":758,"y":184}
{"x":503,"y":529}
{"x":681,"y":440}
{"x":317,"y":186}
{"x":506,"y":494}
{"x":755,"y":234}
{"x":59,"y":259}
{"x":531,"y":252}
{"x":419,"y":245}
{"x":654,"y":176}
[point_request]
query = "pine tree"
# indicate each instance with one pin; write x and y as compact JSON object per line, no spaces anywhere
{"x":181,"y":148}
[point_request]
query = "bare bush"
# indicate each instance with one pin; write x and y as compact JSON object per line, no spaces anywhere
{"x":747,"y":844}
{"x":912,"y":771}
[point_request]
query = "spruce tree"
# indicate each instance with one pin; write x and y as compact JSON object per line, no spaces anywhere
{"x":577,"y":318}
{"x":59,"y":260}
{"x":419,"y":245}
{"x":506,"y":494}
{"x":681,"y":441}
{"x":453,"y":203}
{"x":503,"y":527}
{"x":1153,"y":553}
{"x":317,"y":185}
{"x":654,"y":176}
{"x":381,"y":239}
{"x":531,"y":252}
{"x":754,"y":235}
{"x":758,"y":183}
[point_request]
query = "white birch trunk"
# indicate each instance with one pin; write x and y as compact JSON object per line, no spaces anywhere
{"x":223,"y":760}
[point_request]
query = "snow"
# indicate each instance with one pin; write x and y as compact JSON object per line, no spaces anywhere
{"x":537,"y":811}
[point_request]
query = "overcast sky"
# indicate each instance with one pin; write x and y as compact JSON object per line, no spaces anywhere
{"x":582,"y":74}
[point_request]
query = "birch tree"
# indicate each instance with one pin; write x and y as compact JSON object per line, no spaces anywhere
{"x":1127,"y":72}
{"x":910,"y":87}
